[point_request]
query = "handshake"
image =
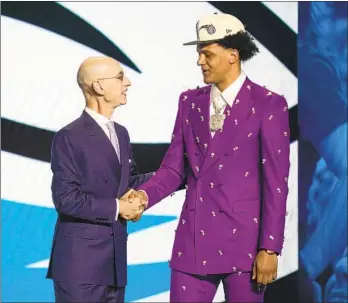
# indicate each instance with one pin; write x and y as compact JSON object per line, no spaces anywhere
{"x":132,"y":205}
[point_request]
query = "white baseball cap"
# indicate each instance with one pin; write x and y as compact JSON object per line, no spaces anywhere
{"x":216,"y":27}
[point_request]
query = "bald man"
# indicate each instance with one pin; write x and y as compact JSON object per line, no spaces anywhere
{"x":93,"y":170}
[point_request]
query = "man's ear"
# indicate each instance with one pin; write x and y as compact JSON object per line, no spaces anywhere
{"x":97,"y":88}
{"x":233,"y":56}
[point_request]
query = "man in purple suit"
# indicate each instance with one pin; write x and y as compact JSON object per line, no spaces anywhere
{"x":93,"y":167}
{"x":230,"y":145}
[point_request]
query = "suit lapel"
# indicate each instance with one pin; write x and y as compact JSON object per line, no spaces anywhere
{"x":199,"y":117}
{"x":235,"y":118}
{"x":99,"y":138}
{"x":123,"y":158}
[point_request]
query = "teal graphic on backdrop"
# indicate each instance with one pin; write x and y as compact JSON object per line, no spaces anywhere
{"x":26,"y":238}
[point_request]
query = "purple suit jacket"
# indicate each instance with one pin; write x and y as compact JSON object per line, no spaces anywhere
{"x":236,"y":182}
{"x":89,"y":245}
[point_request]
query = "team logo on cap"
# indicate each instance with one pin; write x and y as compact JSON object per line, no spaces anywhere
{"x":210,"y":28}
{"x":197,"y":29}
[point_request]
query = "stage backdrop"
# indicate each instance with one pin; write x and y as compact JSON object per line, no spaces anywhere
{"x":42,"y":45}
{"x":322,"y":56}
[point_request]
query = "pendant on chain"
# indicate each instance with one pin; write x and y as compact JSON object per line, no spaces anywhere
{"x":216,"y":122}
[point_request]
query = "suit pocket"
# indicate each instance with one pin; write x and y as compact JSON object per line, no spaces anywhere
{"x":91,"y":232}
{"x":248,"y":206}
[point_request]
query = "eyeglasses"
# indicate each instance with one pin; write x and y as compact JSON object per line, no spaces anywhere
{"x":120,"y":76}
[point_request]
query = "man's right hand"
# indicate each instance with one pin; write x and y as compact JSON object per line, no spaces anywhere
{"x":132,"y":205}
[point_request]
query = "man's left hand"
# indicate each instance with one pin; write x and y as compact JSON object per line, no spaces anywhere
{"x":265,"y":268}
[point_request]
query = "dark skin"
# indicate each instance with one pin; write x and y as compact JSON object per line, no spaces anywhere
{"x":265,"y":267}
{"x":222,"y":67}
{"x":219,"y":66}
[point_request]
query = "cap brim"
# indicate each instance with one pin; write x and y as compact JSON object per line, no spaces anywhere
{"x":201,"y":42}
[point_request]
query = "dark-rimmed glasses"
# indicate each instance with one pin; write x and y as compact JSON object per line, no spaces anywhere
{"x":120,"y":76}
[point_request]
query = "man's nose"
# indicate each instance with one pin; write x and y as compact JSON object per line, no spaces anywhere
{"x":127,"y":82}
{"x":200,"y":61}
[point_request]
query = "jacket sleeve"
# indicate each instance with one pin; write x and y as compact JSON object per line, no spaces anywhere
{"x":171,"y":173}
{"x":136,"y":179}
{"x":275,"y":150}
{"x":68,"y":197}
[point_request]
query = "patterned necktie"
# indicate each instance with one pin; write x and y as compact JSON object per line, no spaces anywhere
{"x":113,"y":138}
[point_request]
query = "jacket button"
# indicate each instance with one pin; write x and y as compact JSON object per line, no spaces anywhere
{"x":106,"y":180}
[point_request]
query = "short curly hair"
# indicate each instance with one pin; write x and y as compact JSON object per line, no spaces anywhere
{"x":243,"y":42}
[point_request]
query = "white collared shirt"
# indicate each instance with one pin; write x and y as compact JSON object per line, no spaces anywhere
{"x":102,"y":121}
{"x":227,"y":96}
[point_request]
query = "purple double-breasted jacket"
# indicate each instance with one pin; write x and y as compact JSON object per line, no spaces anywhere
{"x":236,"y":182}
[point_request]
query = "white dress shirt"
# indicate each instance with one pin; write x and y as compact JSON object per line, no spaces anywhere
{"x":102,"y":121}
{"x":227,"y":96}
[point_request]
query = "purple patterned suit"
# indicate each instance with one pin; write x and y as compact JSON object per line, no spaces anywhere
{"x":89,"y":246}
{"x":236,"y":182}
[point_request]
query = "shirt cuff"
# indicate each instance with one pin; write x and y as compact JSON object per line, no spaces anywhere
{"x":117,"y":208}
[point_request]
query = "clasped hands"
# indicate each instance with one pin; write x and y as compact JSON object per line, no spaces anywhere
{"x":132,"y":205}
